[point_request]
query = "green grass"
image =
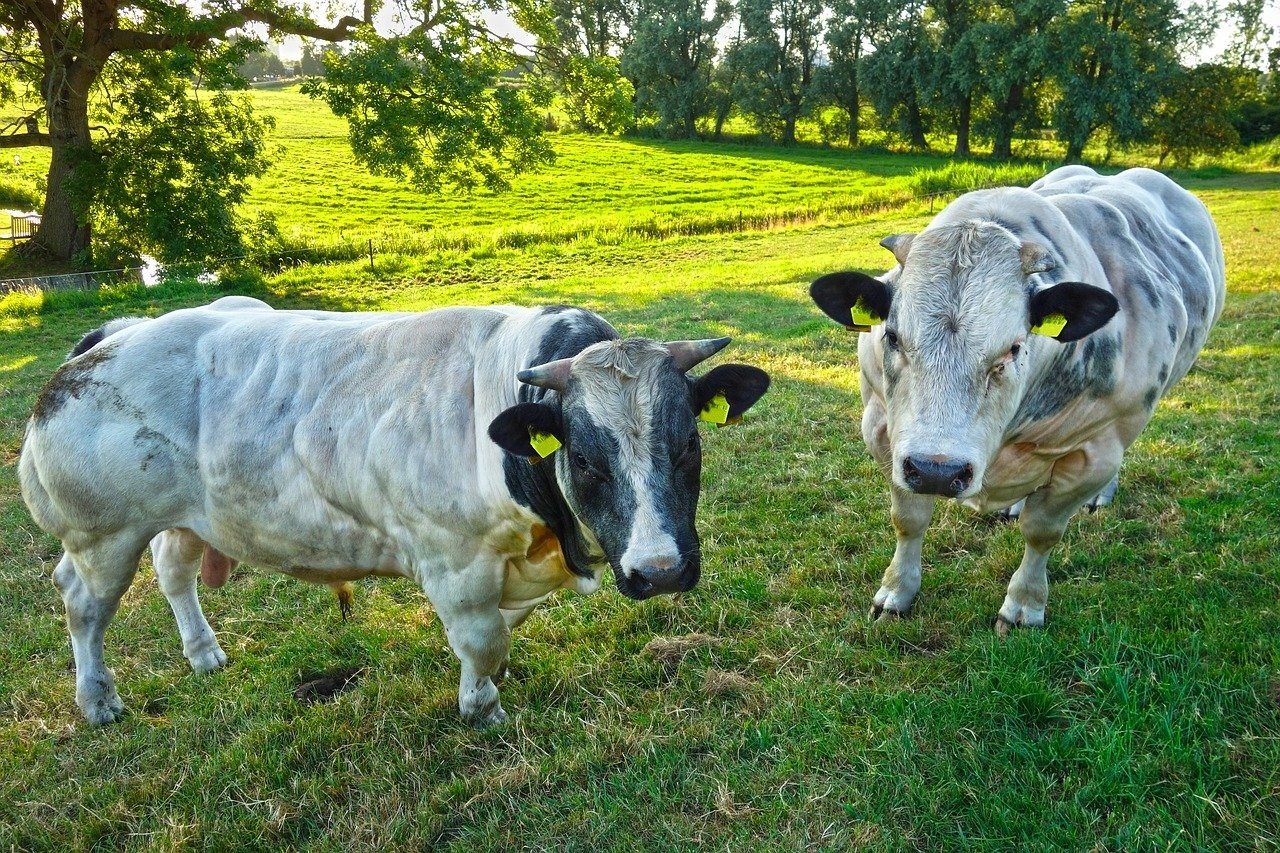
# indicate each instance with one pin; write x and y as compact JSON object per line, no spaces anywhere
{"x":1144,"y":716}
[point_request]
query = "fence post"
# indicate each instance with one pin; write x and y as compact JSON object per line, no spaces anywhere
{"x":370,"y":254}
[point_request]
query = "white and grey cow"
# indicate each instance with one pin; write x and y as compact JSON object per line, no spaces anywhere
{"x":336,"y":446}
{"x":1019,"y":347}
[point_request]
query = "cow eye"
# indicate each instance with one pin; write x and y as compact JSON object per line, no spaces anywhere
{"x":690,"y":449}
{"x":891,"y":339}
{"x":1014,"y":350}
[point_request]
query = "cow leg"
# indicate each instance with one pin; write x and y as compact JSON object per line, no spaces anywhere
{"x":92,"y":581}
{"x":1104,"y":497}
{"x":911,"y":515}
{"x":479,"y":636}
{"x":176,"y":554}
{"x":1043,"y":521}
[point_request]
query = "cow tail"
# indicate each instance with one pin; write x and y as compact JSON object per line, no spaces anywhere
{"x":104,"y":331}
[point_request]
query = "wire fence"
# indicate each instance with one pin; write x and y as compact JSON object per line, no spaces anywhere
{"x":362,"y":247}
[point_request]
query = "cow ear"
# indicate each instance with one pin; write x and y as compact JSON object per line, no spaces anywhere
{"x":852,"y":299}
{"x":528,"y":429}
{"x":1071,"y":310}
{"x":726,"y":392}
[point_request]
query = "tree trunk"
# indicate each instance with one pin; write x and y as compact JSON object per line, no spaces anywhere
{"x":789,"y":131}
{"x":64,"y":227}
{"x":915,"y":125}
{"x":962,"y":126}
{"x":1005,"y":118}
{"x":853,"y":106}
{"x":1075,"y":148}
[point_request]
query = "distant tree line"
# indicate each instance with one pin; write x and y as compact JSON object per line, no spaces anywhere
{"x":985,"y":69}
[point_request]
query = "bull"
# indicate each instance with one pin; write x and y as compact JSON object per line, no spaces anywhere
{"x":1018,"y":348}
{"x":333,"y":446}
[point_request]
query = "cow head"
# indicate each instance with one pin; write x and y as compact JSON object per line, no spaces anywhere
{"x":625,"y":414}
{"x":954,"y":327}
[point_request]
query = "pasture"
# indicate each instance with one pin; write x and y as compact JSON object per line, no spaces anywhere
{"x":762,"y":709}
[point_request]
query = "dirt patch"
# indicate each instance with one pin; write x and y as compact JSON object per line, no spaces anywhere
{"x":324,"y":686}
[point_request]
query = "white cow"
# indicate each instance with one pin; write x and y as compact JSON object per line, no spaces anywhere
{"x":1019,"y":347}
{"x":336,"y":446}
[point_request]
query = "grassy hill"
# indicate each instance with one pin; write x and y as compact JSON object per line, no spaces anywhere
{"x":1146,"y":714}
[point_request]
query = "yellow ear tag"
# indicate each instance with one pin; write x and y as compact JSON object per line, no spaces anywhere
{"x":716,"y":411}
{"x":543,"y":442}
{"x":862,"y":317}
{"x":1051,"y":326}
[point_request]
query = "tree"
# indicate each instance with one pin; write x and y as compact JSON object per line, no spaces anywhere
{"x":260,"y":65}
{"x":853,"y":26}
{"x":778,"y":57}
{"x":724,"y":83}
{"x":1194,"y":116}
{"x":592,"y":28}
{"x":954,"y":72}
{"x":1120,"y":53}
{"x":898,"y":72}
{"x":427,"y":96}
{"x":1015,"y":52}
{"x":669,"y":60}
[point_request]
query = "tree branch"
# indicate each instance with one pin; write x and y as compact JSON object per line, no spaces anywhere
{"x":23,"y":140}
{"x":204,"y":30}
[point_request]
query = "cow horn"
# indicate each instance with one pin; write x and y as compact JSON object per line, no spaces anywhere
{"x":688,"y":354}
{"x":553,"y":375}
{"x":1035,"y":258}
{"x":899,"y":244}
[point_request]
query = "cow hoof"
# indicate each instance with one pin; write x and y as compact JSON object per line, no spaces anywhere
{"x":1022,"y":619}
{"x":208,"y":660}
{"x":103,"y":710}
{"x":494,"y":718}
{"x":880,"y":613}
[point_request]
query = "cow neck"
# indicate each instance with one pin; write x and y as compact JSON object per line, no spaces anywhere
{"x":536,"y":487}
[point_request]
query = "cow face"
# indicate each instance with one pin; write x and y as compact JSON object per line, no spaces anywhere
{"x":953,"y":332}
{"x":626,"y":415}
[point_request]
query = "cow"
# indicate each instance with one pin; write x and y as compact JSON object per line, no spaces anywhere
{"x":1017,"y":349}
{"x":334,"y":446}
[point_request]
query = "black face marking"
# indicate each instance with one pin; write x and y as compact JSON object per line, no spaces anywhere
{"x":535,"y":486}
{"x":1173,"y":333}
{"x":1149,"y":399}
{"x":1163,"y":375}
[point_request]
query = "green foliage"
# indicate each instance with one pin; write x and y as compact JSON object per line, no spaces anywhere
{"x":777,"y":56}
{"x":1015,"y":48}
{"x":596,"y":94}
{"x":1194,"y":116}
{"x":168,"y":178}
{"x":262,"y":65}
{"x":1116,"y":59}
{"x":429,"y":106}
{"x":670,"y":60}
{"x":898,"y":73}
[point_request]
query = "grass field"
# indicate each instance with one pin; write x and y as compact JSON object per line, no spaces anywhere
{"x":1146,"y":715}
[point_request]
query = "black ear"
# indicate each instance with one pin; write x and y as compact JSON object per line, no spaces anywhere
{"x":510,"y":430}
{"x":741,"y":385}
{"x":837,"y":293}
{"x":1085,"y":308}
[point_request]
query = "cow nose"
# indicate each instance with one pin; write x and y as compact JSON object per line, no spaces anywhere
{"x":660,"y":576}
{"x":934,"y":475}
